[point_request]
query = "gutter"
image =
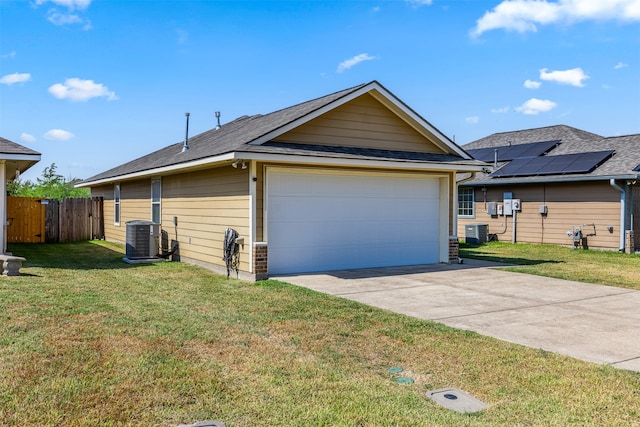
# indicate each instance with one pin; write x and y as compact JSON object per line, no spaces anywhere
{"x":623,"y":200}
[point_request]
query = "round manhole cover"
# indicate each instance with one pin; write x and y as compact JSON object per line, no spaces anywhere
{"x":450,"y":396}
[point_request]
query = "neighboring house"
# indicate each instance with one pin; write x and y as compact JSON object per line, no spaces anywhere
{"x":14,"y":160}
{"x":566,"y":179}
{"x":353,"y":179}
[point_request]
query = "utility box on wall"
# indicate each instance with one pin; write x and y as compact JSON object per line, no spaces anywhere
{"x":492,"y":208}
{"x":476,"y":233}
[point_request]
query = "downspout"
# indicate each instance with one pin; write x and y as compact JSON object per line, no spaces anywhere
{"x":623,"y":209}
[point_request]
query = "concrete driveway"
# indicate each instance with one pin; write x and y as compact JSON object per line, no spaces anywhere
{"x":595,"y":323}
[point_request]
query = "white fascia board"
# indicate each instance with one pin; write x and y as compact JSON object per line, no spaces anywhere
{"x":162,"y":170}
{"x":26,"y":157}
{"x":360,"y":163}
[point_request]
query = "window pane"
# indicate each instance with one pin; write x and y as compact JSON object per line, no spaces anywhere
{"x":155,"y":213}
{"x":466,"y":201}
{"x":155,"y":190}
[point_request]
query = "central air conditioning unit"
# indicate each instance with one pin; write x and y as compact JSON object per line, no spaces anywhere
{"x":476,"y":233}
{"x":142,"y":239}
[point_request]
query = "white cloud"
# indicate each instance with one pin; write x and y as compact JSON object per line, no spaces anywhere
{"x":472,"y":120}
{"x":620,"y":65}
{"x":500,"y":110}
{"x":531,"y":84}
{"x":419,"y":2}
{"x":535,"y":106}
{"x":58,"y":135}
{"x":81,"y":90}
{"x":66,"y":16}
{"x":10,"y":79}
{"x":9,"y":55}
{"x":69,"y":4}
{"x":349,"y":63}
{"x":526,"y":15}
{"x":27,"y":137}
{"x":573,"y":77}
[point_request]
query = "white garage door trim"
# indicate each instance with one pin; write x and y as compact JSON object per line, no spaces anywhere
{"x":416,"y":239}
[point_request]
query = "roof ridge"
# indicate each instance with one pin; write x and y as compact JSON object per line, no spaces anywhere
{"x":346,"y":92}
{"x":621,"y":136}
{"x":543,"y":127}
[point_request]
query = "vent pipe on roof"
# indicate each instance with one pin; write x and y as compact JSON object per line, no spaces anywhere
{"x":185,"y":147}
{"x":218,"y":118}
{"x":495,"y":158}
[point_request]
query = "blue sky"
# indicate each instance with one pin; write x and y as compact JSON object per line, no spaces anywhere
{"x":92,"y":84}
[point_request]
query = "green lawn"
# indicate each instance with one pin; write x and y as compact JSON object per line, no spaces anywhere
{"x":87,"y":340}
{"x":602,"y":267}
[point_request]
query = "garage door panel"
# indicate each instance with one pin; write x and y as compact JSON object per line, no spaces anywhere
{"x":325,"y":222}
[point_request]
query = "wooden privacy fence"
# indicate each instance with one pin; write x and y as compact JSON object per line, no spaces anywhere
{"x":33,"y":220}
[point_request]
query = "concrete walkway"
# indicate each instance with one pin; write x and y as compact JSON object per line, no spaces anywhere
{"x":595,"y":323}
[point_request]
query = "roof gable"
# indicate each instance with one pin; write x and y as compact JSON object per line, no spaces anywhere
{"x":362,"y":122}
{"x":249,"y":134}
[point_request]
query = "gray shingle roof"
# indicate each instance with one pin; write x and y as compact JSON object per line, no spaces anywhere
{"x":10,"y":147}
{"x":238,"y":136}
{"x":230,"y":137}
{"x":572,"y":140}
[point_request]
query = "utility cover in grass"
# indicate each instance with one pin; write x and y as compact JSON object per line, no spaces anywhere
{"x":456,"y":400}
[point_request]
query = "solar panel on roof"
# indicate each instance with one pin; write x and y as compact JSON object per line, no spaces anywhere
{"x":553,"y":165}
{"x":512,"y":152}
{"x":636,"y":169}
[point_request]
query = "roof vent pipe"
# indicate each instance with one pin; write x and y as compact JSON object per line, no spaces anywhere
{"x":495,"y":158}
{"x":185,"y":147}
{"x":218,"y":118}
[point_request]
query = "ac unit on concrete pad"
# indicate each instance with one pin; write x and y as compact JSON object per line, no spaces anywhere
{"x":476,"y":233}
{"x":142,"y":239}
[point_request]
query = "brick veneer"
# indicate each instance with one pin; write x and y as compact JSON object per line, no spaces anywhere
{"x":630,"y":243}
{"x":454,"y":247}
{"x":260,"y":260}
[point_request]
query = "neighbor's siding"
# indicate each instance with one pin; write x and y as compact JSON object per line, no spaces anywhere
{"x":363,"y":122}
{"x":568,"y":204}
{"x":206,"y":203}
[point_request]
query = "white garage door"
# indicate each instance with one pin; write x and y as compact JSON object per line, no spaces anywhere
{"x":321,"y":221}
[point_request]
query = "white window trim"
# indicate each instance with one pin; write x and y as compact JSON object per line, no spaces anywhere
{"x":159,"y":202}
{"x":117,"y":211}
{"x":473,"y":202}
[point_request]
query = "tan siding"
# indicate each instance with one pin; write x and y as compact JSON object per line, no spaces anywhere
{"x":205,"y":204}
{"x":567,"y":204}
{"x":112,"y":231}
{"x":363,"y":122}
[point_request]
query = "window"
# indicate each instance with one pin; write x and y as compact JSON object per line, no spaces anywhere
{"x":466,"y":205}
{"x":116,"y":204}
{"x":155,"y":201}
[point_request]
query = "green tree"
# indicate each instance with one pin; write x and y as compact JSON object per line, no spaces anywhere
{"x":50,"y":185}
